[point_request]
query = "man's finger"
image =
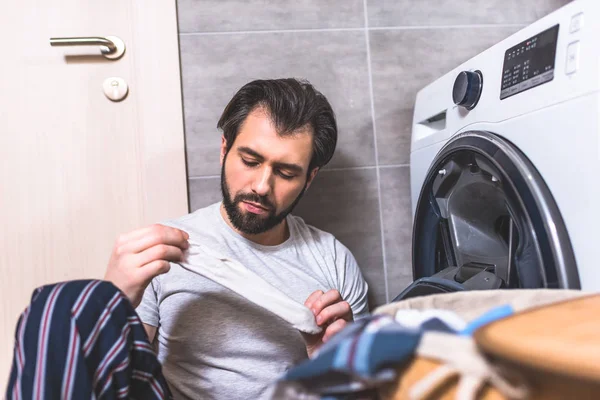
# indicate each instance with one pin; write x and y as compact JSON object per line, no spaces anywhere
{"x":340,"y":310}
{"x":133,"y":235}
{"x":158,"y":234}
{"x":334,"y":328}
{"x":158,"y":252}
{"x":331,"y":297}
{"x":313,"y":297}
{"x":147,"y":272}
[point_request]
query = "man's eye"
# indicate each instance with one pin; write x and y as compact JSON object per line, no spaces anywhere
{"x":286,"y":176}
{"x":250,"y":163}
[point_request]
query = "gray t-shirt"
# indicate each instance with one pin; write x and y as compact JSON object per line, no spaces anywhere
{"x":212,"y":342}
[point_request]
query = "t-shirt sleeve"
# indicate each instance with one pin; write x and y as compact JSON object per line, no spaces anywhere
{"x":148,"y":308}
{"x":352,"y":286}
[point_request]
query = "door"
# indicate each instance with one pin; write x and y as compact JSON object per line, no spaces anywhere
{"x":78,"y":168}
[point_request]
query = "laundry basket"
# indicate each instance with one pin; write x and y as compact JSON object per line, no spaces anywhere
{"x":551,"y":332}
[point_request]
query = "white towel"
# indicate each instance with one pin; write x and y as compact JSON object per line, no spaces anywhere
{"x":235,"y":276}
{"x":461,"y":358}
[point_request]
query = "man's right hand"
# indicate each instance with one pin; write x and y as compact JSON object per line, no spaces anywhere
{"x":141,"y":255}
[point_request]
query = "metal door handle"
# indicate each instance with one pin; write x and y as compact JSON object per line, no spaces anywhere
{"x":111,"y":47}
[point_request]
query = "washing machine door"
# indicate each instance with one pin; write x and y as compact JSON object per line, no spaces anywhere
{"x":485,"y":219}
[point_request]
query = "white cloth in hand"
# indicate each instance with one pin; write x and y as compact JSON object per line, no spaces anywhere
{"x":235,"y":276}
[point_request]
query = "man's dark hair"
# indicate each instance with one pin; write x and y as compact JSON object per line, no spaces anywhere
{"x":292,"y":105}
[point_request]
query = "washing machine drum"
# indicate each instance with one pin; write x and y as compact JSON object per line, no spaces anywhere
{"x":485,"y":219}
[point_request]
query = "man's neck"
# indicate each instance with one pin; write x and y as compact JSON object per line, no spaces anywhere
{"x":274,"y":236}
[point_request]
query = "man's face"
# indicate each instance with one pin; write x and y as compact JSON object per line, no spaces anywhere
{"x":264,"y":175}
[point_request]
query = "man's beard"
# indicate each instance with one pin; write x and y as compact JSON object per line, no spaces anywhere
{"x":247,"y":222}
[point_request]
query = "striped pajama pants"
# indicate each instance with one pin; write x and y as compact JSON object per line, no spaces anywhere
{"x":83,"y":340}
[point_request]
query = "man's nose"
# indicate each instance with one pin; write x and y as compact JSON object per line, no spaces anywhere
{"x":263,"y":183}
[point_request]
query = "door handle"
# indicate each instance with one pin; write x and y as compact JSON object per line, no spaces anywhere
{"x":111,"y":47}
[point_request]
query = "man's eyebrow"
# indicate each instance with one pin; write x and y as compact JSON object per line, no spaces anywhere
{"x":289,"y":166}
{"x":250,"y":152}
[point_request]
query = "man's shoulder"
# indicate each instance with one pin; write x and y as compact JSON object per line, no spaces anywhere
{"x":305,"y":228}
{"x":197,"y":221}
{"x":318,"y":236}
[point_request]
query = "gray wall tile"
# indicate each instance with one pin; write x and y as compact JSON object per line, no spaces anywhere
{"x":342,"y":201}
{"x":244,"y":15}
{"x":345,"y":204}
{"x":214,"y":67}
{"x":204,"y":192}
{"x":404,"y":61}
{"x":397,"y":227}
{"x":451,"y":12}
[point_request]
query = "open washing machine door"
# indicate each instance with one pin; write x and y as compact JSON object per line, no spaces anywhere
{"x":485,"y":219}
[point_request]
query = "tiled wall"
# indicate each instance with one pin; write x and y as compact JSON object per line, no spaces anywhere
{"x":369,"y":57}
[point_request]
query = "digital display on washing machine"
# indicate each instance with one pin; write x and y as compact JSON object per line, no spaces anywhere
{"x":530,"y":63}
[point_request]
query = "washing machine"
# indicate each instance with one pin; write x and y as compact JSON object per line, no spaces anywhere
{"x":505,"y":157}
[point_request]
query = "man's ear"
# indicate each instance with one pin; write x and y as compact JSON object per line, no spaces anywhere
{"x":311,"y":176}
{"x":223,"y":149}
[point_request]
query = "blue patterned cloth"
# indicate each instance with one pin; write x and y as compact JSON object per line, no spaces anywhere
{"x":83,"y":340}
{"x":369,"y":351}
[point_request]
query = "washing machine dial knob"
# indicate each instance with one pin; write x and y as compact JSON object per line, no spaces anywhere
{"x":467,"y":89}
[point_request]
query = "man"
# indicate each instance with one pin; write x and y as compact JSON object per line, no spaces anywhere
{"x":212,"y":342}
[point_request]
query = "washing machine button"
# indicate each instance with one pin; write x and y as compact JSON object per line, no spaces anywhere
{"x":576,"y":23}
{"x":572,"y":58}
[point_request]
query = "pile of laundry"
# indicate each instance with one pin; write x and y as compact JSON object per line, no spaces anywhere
{"x":370,"y":352}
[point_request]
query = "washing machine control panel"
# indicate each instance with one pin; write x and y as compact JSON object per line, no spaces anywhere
{"x":529,"y":63}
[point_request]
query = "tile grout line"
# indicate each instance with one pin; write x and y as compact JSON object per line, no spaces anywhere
{"x":203,"y":177}
{"x":377,"y":174}
{"x":460,"y":26}
{"x":395,"y":166}
{"x":362,"y":168}
{"x":377,"y":28}
{"x":258,"y":31}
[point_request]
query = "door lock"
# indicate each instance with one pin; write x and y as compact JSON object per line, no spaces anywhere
{"x":115,"y":88}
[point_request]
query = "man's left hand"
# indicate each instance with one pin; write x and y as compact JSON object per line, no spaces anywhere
{"x":332,"y":314}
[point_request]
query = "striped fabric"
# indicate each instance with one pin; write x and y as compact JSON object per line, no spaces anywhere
{"x":83,"y":339}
